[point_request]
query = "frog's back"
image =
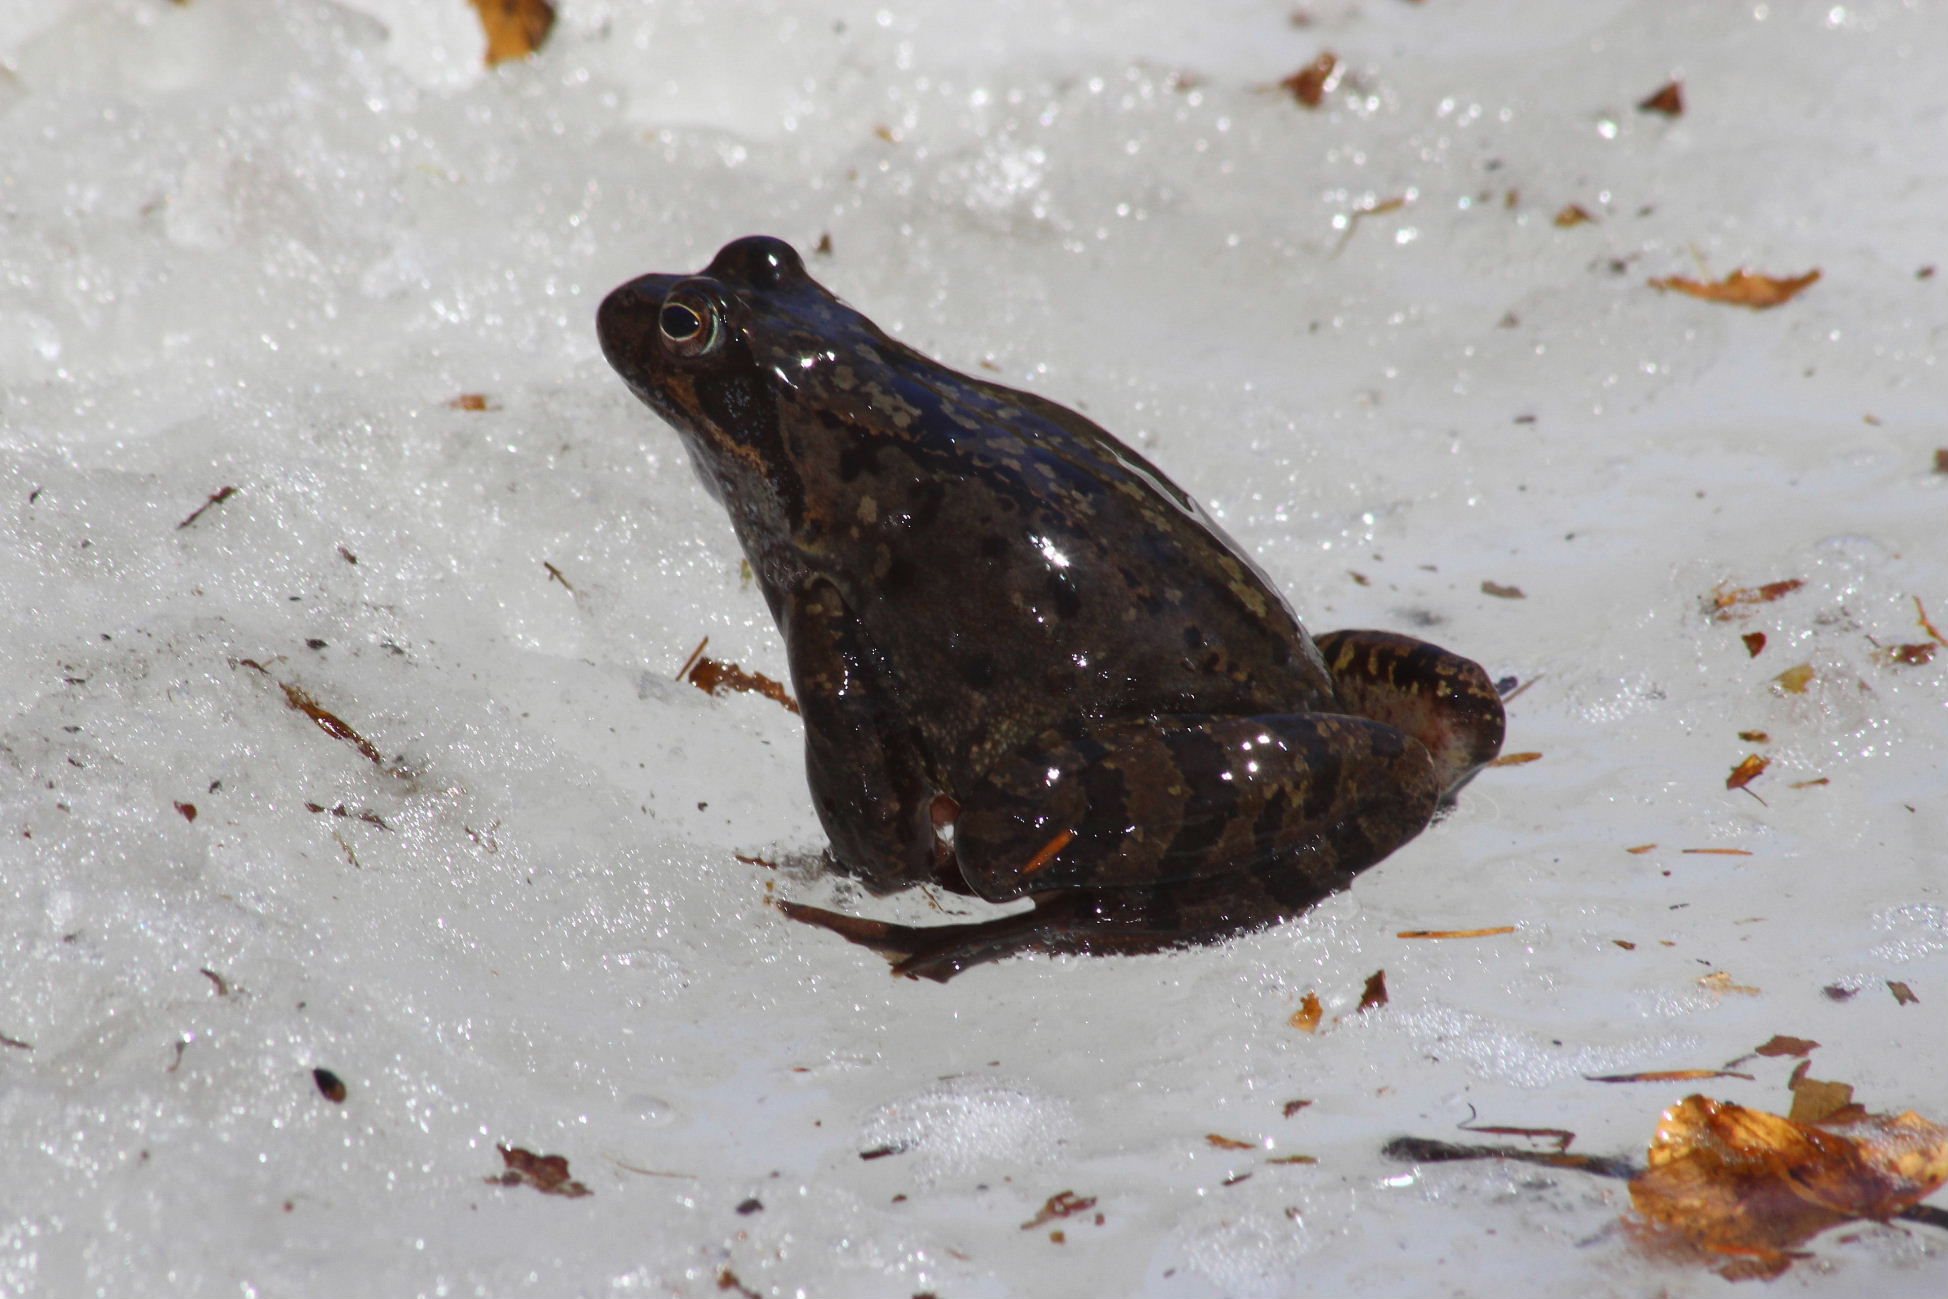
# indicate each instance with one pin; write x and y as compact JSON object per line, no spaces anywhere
{"x":1024,"y":567}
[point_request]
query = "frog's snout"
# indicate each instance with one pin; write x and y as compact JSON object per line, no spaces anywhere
{"x":627,"y":318}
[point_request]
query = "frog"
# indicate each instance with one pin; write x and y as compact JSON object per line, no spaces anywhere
{"x":1028,"y":664}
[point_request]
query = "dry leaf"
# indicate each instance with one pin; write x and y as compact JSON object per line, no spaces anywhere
{"x":1755,"y":737}
{"x":1740,"y":1188}
{"x":1664,"y":1075}
{"x":1515,"y":759}
{"x":1292,"y":1107}
{"x":1814,"y":1101}
{"x":1911,"y":655}
{"x":1903,"y":995}
{"x":545,"y":1173}
{"x":1747,"y":771}
{"x":1726,"y":601}
{"x":1455,"y":933}
{"x":1312,"y":83}
{"x":1720,"y":981}
{"x":472,"y":401}
{"x":1641,"y":848}
{"x":714,"y":677}
{"x":1669,"y":100}
{"x":1754,"y":642}
{"x":1306,"y":1017}
{"x":1220,"y":1142}
{"x":1573,"y":214}
{"x":1376,"y":992}
{"x":1794,"y":680}
{"x":515,"y":28}
{"x":1059,"y":1205}
{"x":1501,"y":592}
{"x":1741,"y":288}
{"x":330,"y":1085}
{"x":1780,"y":1044}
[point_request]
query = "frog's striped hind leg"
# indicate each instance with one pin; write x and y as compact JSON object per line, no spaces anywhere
{"x":1441,"y":699}
{"x":1143,"y":802}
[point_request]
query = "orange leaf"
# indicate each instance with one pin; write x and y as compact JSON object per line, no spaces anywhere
{"x":1306,"y":1017}
{"x":515,"y":28}
{"x":1747,"y":771}
{"x":1741,"y":288}
{"x":1740,"y":1188}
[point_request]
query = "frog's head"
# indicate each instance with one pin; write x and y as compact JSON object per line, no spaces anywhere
{"x":719,"y":353}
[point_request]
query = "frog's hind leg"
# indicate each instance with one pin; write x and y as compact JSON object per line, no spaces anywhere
{"x":1441,"y":699}
{"x":1098,"y":922}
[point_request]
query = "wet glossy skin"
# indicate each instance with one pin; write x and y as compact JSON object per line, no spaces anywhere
{"x":1029,"y":664}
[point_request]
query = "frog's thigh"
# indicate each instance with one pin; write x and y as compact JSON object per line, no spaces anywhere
{"x":868,"y":781}
{"x":1441,"y":699}
{"x":1134,"y":804}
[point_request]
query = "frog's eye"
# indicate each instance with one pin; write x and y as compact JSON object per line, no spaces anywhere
{"x":690,"y":328}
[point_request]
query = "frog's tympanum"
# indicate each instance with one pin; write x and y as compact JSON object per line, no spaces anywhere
{"x":1030,"y":665}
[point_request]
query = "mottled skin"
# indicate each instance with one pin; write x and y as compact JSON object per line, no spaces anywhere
{"x":1002,"y":620}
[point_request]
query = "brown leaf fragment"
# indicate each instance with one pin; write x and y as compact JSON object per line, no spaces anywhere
{"x":1306,"y":1017}
{"x":1808,"y":784}
{"x":1219,"y":1141}
{"x":1664,"y":1075}
{"x":1794,"y":680}
{"x":1625,"y":944}
{"x":1668,"y":100}
{"x":545,"y":1173}
{"x":1941,"y":460}
{"x":15,"y":1043}
{"x":330,"y":1085}
{"x":1292,"y":1107}
{"x":1293,"y":1159}
{"x":1426,"y":1150}
{"x":1563,"y":1137}
{"x":1359,"y":579}
{"x":1741,"y":288}
{"x":330,"y":723}
{"x":881,"y":1152}
{"x":1839,"y":992}
{"x":1375,"y":994}
{"x":1062,"y":1204}
{"x":1913,"y":655}
{"x":554,"y":574}
{"x":728,"y":1280}
{"x":1755,"y":737}
{"x":1572,"y":214}
{"x":1640,"y":849}
{"x":188,"y":811}
{"x":1720,"y":981}
{"x":218,"y":497}
{"x":1750,"y":768}
{"x":473,"y":401}
{"x":1780,"y":1044}
{"x":1501,"y":592}
{"x":1455,"y":933}
{"x":1312,"y":83}
{"x":1815,"y":1101}
{"x":217,"y":981}
{"x":1739,"y":1189}
{"x":515,"y":28}
{"x":1716,"y":852}
{"x":1903,"y":995}
{"x":714,"y":677}
{"x":1516,"y":759}
{"x":1754,"y":642}
{"x":1728,"y":601}
{"x":1921,"y":619}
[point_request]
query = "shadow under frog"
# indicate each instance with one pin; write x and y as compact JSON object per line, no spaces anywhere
{"x":1029,"y":664}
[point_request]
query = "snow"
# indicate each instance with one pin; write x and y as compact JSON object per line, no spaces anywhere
{"x":263,"y":244}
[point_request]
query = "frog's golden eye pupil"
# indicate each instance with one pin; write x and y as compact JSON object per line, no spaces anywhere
{"x":678,"y":323}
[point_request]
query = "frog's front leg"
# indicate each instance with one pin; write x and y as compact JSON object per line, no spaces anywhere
{"x":1441,"y":699}
{"x":1301,"y":801}
{"x":869,"y":781}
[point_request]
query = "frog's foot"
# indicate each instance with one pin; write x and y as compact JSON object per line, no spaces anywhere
{"x":939,"y":952}
{"x":1441,"y":699}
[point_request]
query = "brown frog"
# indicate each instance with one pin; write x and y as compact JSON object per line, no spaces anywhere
{"x":1029,"y":664}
